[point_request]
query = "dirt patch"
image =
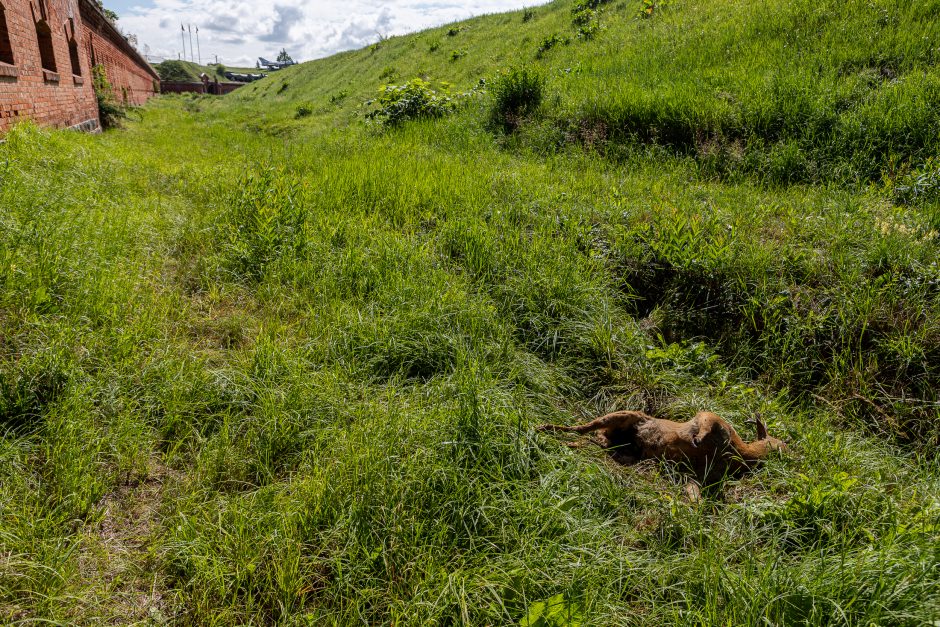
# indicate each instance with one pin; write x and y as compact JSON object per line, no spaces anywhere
{"x":121,"y":583}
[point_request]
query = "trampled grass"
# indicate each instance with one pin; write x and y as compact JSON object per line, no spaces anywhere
{"x":258,"y":368}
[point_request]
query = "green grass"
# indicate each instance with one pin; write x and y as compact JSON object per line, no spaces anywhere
{"x":174,"y":70}
{"x":262,"y":368}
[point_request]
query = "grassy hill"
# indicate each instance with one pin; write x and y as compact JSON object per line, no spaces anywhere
{"x":277,"y":358}
{"x":187,"y":71}
{"x":777,"y":89}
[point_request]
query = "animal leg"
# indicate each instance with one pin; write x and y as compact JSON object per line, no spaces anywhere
{"x":615,"y":421}
{"x":600,"y":441}
{"x":711,"y":425}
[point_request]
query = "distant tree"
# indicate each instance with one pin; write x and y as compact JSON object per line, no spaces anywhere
{"x":283,"y":57}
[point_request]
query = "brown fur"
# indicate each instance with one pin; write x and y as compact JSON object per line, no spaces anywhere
{"x":706,"y":444}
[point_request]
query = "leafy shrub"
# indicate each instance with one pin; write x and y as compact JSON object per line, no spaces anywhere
{"x":339,"y":97}
{"x":583,"y":15}
{"x":516,"y":94}
{"x":413,"y":100}
{"x":282,"y":88}
{"x":550,"y":42}
{"x":387,"y":73}
{"x":434,"y":47}
{"x":528,"y":15}
{"x":588,"y":4}
{"x":454,"y":31}
{"x":589,"y":31}
{"x":554,"y":612}
{"x":650,"y":7}
{"x":456,"y":55}
{"x":109,"y":111}
{"x":586,"y":19}
{"x":304,"y":110}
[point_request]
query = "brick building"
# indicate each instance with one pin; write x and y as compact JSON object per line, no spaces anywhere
{"x":47,"y":51}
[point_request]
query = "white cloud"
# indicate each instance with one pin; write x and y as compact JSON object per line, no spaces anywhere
{"x":239,"y":31}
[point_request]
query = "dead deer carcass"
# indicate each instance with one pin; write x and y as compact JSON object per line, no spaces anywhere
{"x":706,"y":444}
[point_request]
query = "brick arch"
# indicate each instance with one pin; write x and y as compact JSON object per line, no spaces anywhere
{"x":46,"y":47}
{"x":74,"y":57}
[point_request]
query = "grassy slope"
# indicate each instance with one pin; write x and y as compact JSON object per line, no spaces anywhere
{"x":186,"y":70}
{"x":320,"y":387}
{"x":777,"y":89}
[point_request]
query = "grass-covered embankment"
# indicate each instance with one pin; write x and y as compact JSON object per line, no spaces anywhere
{"x":311,"y":354}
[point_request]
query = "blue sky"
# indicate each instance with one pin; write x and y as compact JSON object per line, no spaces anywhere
{"x":239,"y":31}
{"x":121,"y":6}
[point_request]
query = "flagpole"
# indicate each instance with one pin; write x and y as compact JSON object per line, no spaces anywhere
{"x":198,"y":47}
{"x":192,"y":57}
{"x":183,"y":35}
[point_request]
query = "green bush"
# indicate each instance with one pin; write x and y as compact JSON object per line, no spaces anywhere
{"x":110,"y":113}
{"x":413,"y":100}
{"x":304,"y":110}
{"x":582,"y":16}
{"x":550,"y":42}
{"x":516,"y":94}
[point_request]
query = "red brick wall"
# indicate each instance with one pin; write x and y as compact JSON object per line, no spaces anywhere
{"x":26,"y":90}
{"x":59,"y":98}
{"x":189,"y":87}
{"x":131,"y":78}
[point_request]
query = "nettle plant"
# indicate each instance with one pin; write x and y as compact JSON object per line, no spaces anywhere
{"x":414,"y":100}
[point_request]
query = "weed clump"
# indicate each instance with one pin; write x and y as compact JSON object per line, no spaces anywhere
{"x":411,"y":101}
{"x":921,"y":186}
{"x":303,"y":111}
{"x":109,"y":111}
{"x":517,"y":94}
{"x":265,"y":220}
{"x":550,"y":42}
{"x":587,"y":21}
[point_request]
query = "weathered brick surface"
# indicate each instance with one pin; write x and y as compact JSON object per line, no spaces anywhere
{"x":133,"y":80}
{"x":61,"y":98}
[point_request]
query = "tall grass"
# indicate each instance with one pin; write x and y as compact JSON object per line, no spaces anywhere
{"x":314,"y":350}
